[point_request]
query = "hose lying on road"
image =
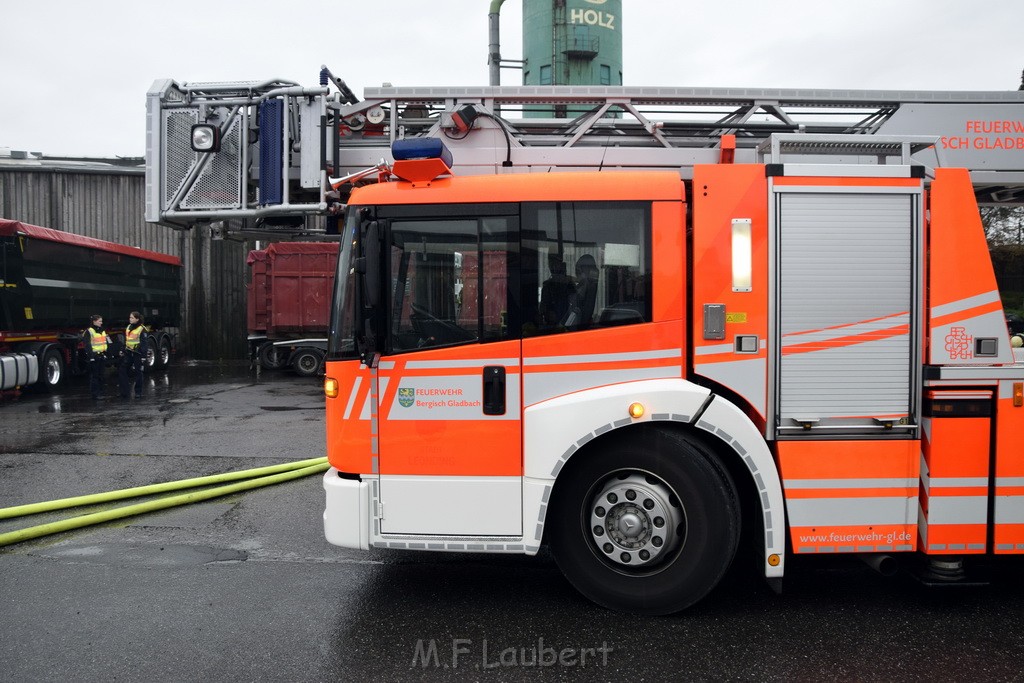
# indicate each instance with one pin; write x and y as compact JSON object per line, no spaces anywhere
{"x":253,"y":479}
{"x":94,"y":498}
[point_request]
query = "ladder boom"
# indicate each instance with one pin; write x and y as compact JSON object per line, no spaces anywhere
{"x":281,"y":142}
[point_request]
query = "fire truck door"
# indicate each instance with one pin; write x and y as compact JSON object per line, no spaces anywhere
{"x":845,"y":345}
{"x":449,"y":407}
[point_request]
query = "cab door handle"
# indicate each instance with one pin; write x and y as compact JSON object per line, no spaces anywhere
{"x":494,"y":390}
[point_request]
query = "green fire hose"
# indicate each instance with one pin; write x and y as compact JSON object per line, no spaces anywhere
{"x":254,"y":478}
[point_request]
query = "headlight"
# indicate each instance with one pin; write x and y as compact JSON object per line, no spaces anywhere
{"x":205,"y":138}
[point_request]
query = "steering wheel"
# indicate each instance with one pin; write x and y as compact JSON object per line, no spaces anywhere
{"x":434,"y":330}
{"x":423,"y":314}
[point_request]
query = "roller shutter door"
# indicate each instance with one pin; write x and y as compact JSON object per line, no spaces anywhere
{"x":845,"y":297}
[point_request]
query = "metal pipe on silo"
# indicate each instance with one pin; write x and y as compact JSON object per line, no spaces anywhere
{"x":494,"y":49}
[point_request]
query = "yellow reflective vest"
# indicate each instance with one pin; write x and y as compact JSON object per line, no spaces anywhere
{"x":133,"y":337}
{"x":98,"y":341}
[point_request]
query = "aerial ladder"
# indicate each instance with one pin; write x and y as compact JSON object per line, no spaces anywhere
{"x":273,"y":158}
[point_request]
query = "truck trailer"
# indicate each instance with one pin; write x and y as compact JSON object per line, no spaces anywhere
{"x":288,"y":304}
{"x":52,"y":281}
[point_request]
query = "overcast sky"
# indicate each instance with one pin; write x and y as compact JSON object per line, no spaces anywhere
{"x":74,"y":73}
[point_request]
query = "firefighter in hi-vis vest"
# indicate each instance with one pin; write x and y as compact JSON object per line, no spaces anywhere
{"x":129,"y":369}
{"x":97,"y":344}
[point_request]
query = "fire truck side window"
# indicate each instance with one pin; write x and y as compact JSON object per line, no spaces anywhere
{"x":586,"y":265}
{"x":450,"y":280}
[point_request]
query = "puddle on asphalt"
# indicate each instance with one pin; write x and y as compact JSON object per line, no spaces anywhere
{"x":147,"y":555}
{"x":160,"y":385}
{"x":281,"y":408}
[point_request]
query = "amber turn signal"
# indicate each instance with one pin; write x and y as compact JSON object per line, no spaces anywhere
{"x":636,"y":410}
{"x":330,"y":387}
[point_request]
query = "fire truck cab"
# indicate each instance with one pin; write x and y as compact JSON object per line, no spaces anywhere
{"x":635,"y":369}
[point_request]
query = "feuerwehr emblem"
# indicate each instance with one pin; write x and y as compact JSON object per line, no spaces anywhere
{"x":406,"y":397}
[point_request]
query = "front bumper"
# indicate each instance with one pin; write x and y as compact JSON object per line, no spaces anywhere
{"x":347,"y":513}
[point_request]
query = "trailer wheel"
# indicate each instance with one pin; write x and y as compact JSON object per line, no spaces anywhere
{"x":163,"y":352}
{"x":307,"y":362}
{"x":647,"y":524}
{"x":271,"y":357}
{"x":52,"y":370}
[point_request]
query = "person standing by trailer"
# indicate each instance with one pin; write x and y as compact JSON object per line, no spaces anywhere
{"x":129,"y":369}
{"x":97,"y":344}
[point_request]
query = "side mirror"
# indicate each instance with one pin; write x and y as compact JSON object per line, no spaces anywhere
{"x":370,"y":265}
{"x":367,"y":268}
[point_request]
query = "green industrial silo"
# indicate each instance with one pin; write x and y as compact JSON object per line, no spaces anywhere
{"x":572,"y":42}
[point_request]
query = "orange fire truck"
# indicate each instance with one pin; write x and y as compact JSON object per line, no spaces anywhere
{"x":796,"y":337}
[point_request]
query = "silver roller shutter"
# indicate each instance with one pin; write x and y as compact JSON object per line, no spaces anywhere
{"x":845,"y":297}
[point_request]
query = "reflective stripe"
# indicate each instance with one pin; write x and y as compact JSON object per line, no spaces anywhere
{"x":746,"y":376}
{"x":715,"y":349}
{"x":539,"y":387}
{"x":825,"y":512}
{"x":850,"y":483}
{"x":373,"y":398}
{"x":352,"y":397}
{"x":604,"y":357}
{"x":1009,"y":510}
{"x":965,"y":304}
{"x":470,"y":363}
{"x":957,"y":510}
{"x":952,"y":482}
{"x":847,"y":334}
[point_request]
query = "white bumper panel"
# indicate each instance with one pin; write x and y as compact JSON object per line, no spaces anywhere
{"x":347,"y":513}
{"x":451,"y":506}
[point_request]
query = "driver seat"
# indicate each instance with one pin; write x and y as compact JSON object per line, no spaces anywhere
{"x":584,"y":297}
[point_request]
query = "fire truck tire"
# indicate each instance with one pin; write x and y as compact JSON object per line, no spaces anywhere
{"x":51,"y":370}
{"x":647,"y":524}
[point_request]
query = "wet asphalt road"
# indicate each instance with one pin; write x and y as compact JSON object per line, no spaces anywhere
{"x":244,"y":588}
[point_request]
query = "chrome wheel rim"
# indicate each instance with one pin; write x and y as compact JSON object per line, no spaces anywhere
{"x":636,"y":520}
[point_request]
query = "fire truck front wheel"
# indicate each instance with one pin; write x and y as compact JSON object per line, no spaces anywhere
{"x":647,"y":523}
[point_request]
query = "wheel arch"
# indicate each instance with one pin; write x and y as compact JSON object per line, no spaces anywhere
{"x":600,"y":415}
